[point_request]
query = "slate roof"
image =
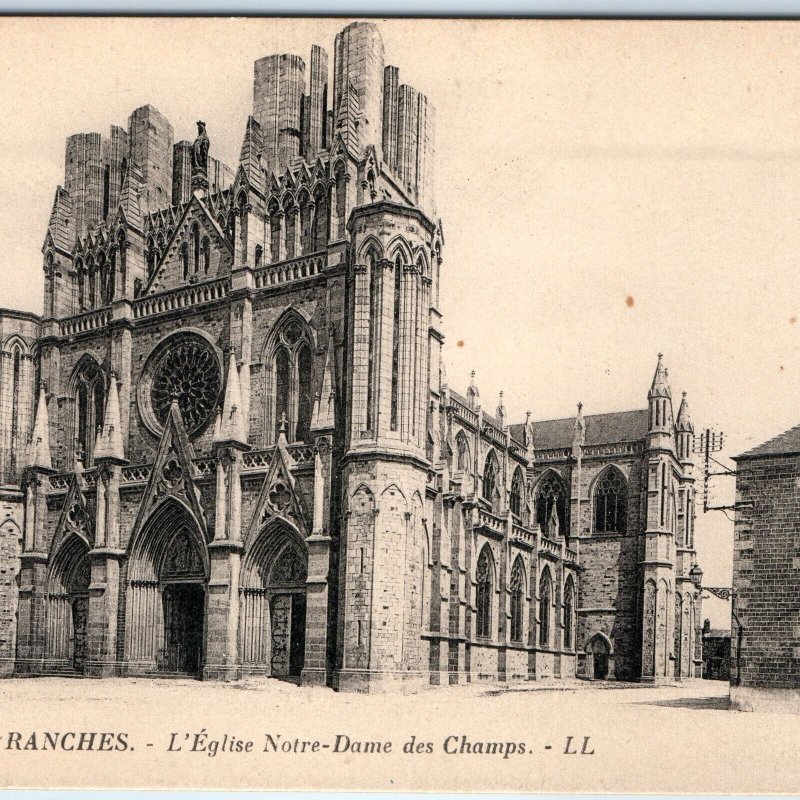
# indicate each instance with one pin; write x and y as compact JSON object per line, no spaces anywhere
{"x":619,"y":426}
{"x":788,"y":443}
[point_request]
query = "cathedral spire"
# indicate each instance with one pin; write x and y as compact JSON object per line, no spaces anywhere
{"x":40,"y":439}
{"x":323,"y":415}
{"x":684,"y":428}
{"x":660,"y":385}
{"x":579,"y":436}
{"x":661,"y":425}
{"x":500,"y":413}
{"x":232,"y":428}
{"x":473,"y":395}
{"x":684,"y":422}
{"x":109,"y":441}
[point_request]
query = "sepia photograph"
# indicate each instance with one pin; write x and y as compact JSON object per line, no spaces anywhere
{"x":399,"y":404}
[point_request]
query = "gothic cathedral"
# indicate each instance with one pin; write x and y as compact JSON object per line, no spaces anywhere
{"x":227,"y":446}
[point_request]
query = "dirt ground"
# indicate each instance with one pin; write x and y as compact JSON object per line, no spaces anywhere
{"x":265,"y":734}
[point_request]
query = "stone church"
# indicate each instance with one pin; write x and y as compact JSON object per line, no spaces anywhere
{"x":228,"y":448}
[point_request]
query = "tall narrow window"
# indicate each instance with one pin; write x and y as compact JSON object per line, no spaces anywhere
{"x":545,"y":604}
{"x":372,"y":322}
{"x":483,"y":598}
{"x":196,"y":248}
{"x":303,"y":393}
{"x":517,"y":596}
{"x":81,"y":285}
{"x":398,"y":271}
{"x":205,"y":255}
{"x":89,"y":408}
{"x":462,"y":447}
{"x":490,"y":476}
{"x":551,"y":505}
{"x":282,"y":386}
{"x":611,"y":503}
{"x":185,"y":260}
{"x":517,"y":493}
{"x":569,"y":614}
{"x":259,"y":255}
{"x":663,"y":495}
{"x":15,"y":408}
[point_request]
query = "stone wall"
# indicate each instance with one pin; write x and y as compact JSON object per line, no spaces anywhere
{"x":766,"y":577}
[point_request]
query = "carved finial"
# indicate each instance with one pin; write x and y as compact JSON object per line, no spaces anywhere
{"x":283,"y":423}
{"x":580,"y":408}
{"x":527,"y":417}
{"x":660,"y":356}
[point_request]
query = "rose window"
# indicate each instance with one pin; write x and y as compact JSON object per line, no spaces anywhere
{"x":185,"y":369}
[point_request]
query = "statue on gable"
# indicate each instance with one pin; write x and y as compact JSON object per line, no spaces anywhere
{"x":200,"y":150}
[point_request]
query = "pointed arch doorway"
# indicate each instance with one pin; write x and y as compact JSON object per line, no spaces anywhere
{"x":166,"y":596}
{"x":68,"y":606}
{"x":273,"y":603}
{"x":184,"y":598}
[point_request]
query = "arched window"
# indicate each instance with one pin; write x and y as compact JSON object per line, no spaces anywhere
{"x":551,"y":505}
{"x":545,"y":606}
{"x":90,"y":392}
{"x":462,"y":448}
{"x":372,"y":265}
{"x":398,"y":273}
{"x":79,"y":271}
{"x":483,"y":596}
{"x":205,"y":255}
{"x":490,"y":470}
{"x":291,"y":363}
{"x":16,"y":376}
{"x":275,"y":232}
{"x":91,"y":299}
{"x":569,"y":614}
{"x":611,"y":503}
{"x":282,"y":386}
{"x":122,"y":261}
{"x":196,"y":247}
{"x":517,"y":493}
{"x":152,"y":257}
{"x":517,"y":587}
{"x":185,"y":260}
{"x":259,"y":254}
{"x":303,"y":393}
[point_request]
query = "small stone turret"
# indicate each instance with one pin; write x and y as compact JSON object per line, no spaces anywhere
{"x":661,"y":427}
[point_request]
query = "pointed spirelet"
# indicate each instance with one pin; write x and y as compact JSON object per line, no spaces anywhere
{"x":109,"y":445}
{"x":323,"y":415}
{"x":660,"y":385}
{"x":40,"y":438}
{"x":473,"y":395}
{"x":684,"y":422}
{"x":232,"y":429}
{"x":500,"y":412}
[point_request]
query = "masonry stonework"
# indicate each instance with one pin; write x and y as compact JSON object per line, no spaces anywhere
{"x":227,"y":446}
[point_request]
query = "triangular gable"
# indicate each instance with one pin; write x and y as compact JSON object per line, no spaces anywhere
{"x":278,"y":496}
{"x":172,"y":475}
{"x":168,"y":273}
{"x":76,"y":516}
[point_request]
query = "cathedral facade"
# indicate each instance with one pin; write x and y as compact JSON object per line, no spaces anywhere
{"x":227,"y":446}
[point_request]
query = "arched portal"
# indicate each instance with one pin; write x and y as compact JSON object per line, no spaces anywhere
{"x":599,"y":649}
{"x":273,"y":603}
{"x":165,"y":602}
{"x":68,"y":604}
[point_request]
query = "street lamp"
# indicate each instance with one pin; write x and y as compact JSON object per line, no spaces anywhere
{"x":696,"y":574}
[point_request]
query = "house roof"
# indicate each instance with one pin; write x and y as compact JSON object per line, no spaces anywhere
{"x":619,"y":426}
{"x":786,"y":444}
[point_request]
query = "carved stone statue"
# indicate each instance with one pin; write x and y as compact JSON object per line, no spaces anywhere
{"x":200,"y":150}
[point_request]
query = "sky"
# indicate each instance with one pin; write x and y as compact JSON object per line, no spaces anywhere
{"x":608,"y":191}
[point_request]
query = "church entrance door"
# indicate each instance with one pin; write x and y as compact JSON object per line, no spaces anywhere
{"x":183,"y":627}
{"x":80,"y":614}
{"x":599,"y":650}
{"x":288,"y":621}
